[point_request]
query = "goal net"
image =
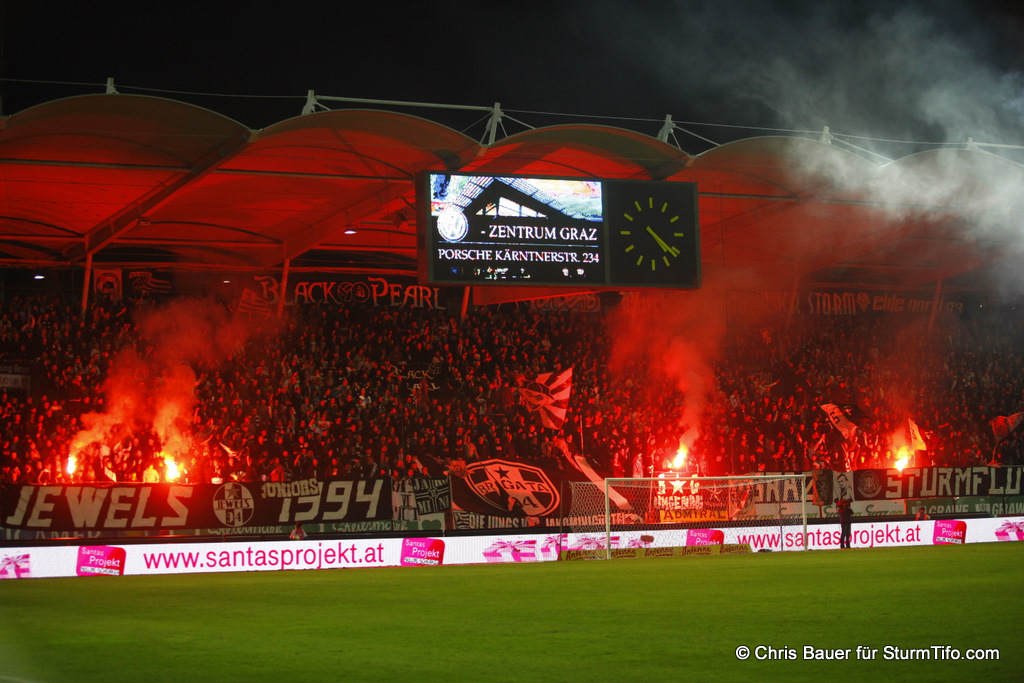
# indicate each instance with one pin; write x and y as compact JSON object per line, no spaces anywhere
{"x":767,"y":512}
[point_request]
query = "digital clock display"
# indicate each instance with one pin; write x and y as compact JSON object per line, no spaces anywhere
{"x":488,"y":229}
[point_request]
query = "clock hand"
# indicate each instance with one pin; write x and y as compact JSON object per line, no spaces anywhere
{"x":662,"y":243}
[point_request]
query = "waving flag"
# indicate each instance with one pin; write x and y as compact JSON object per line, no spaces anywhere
{"x":149,"y":281}
{"x":548,"y":396}
{"x":916,"y":440}
{"x":107,"y":283}
{"x":1002,"y":425}
{"x":580,"y":463}
{"x":253,"y":304}
{"x":840,"y":420}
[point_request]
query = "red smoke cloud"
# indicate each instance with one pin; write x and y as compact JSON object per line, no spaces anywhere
{"x":150,"y":386}
{"x":678,"y":336}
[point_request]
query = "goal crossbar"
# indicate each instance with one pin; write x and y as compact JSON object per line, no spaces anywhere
{"x":609,"y":494}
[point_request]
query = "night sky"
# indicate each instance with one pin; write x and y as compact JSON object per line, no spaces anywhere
{"x":934,"y":71}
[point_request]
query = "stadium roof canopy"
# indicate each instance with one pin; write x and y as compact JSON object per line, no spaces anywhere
{"x":138,"y":181}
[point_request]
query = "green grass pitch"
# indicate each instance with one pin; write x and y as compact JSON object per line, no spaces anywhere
{"x":663,"y":619}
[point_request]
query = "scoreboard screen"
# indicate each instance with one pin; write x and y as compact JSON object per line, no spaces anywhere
{"x":516,"y":230}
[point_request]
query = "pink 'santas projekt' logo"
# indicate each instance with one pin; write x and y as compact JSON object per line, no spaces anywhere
{"x":418,"y":552}
{"x":100,"y":560}
{"x":949,"y":531}
{"x":705,"y":537}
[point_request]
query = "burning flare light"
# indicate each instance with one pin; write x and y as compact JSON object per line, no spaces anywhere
{"x":171,"y":465}
{"x":902,"y":458}
{"x":679,"y":462}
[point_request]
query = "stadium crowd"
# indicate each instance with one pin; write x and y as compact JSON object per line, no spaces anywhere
{"x":365,"y":391}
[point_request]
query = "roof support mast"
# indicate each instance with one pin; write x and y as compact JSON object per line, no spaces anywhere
{"x":285,"y":270}
{"x":493,"y":123}
{"x":936,"y":302}
{"x":667,"y":128}
{"x":86,"y":283}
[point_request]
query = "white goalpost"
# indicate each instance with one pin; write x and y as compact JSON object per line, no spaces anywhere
{"x":767,"y":511}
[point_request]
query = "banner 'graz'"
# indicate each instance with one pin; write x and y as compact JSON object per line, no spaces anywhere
{"x":83,"y":507}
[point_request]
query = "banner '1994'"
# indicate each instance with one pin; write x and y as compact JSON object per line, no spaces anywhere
{"x":200,"y":506}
